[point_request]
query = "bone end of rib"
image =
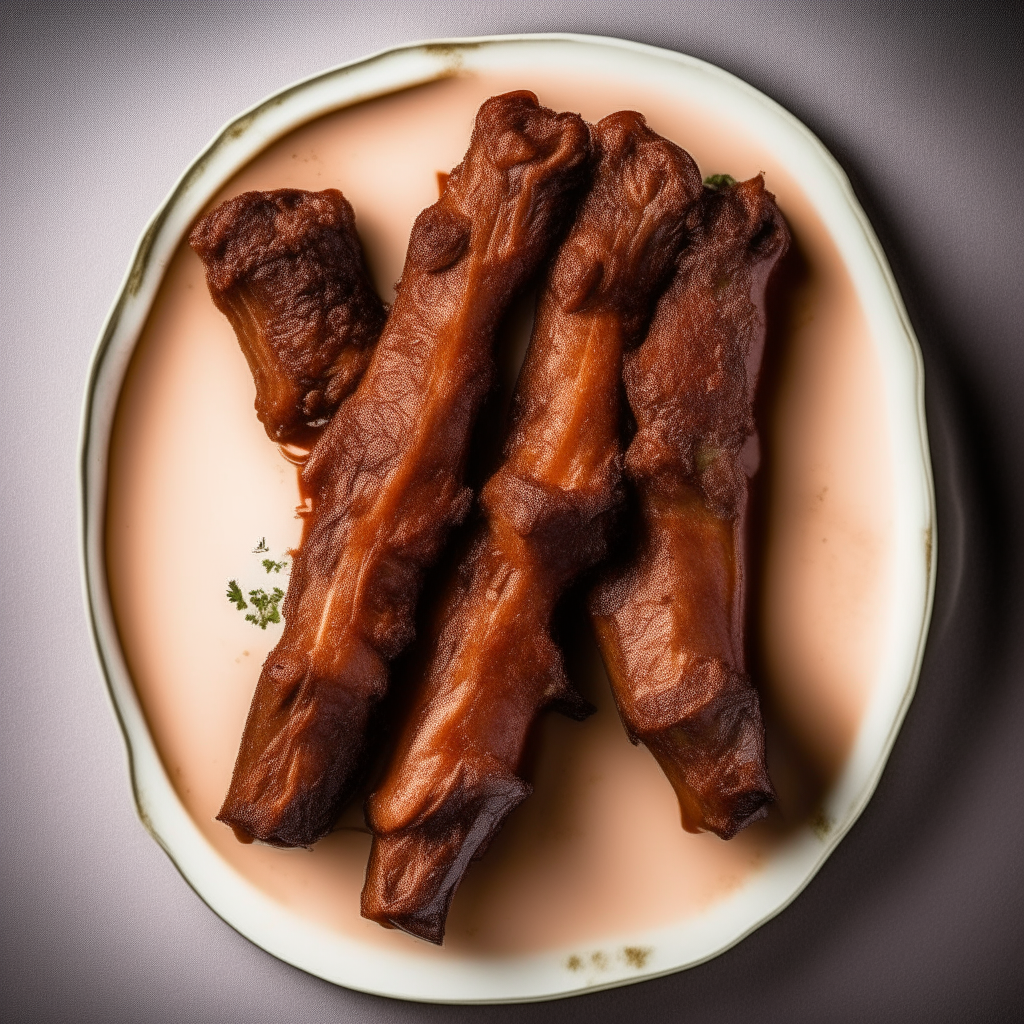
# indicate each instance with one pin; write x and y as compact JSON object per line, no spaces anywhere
{"x":413,"y":874}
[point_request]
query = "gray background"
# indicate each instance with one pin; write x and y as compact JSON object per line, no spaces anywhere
{"x":919,"y":915}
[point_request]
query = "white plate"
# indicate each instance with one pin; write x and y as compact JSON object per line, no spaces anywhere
{"x":549,"y":973}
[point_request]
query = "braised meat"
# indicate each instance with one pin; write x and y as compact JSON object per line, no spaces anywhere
{"x":670,"y":619}
{"x":286,"y":268}
{"x":549,"y":509}
{"x":386,"y":476}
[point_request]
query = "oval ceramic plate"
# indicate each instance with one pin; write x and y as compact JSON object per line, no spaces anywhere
{"x":755,"y":877}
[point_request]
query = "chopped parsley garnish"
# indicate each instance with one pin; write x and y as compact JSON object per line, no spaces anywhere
{"x":719,"y":180}
{"x":266,"y":607}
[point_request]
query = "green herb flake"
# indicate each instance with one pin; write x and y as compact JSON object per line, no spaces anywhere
{"x":235,"y":595}
{"x":267,"y":607}
{"x":718,"y":181}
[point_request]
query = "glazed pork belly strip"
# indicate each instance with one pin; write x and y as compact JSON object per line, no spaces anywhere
{"x":287,"y":270}
{"x":549,"y":510}
{"x":386,"y":476}
{"x":670,"y":619}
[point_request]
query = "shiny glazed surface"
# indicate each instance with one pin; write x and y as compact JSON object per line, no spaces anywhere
{"x":671,"y":616}
{"x":386,"y":475}
{"x":550,"y":512}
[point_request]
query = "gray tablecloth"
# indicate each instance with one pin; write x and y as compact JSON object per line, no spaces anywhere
{"x":919,"y":915}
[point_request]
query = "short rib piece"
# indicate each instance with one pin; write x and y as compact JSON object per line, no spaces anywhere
{"x":386,"y":476}
{"x":287,"y":270}
{"x":549,"y":509}
{"x":670,"y":620}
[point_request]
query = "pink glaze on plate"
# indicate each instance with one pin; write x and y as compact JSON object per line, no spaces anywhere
{"x":597,"y":851}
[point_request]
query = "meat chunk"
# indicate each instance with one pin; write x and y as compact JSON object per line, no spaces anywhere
{"x":386,"y":476}
{"x":670,"y":619}
{"x":287,"y":270}
{"x":549,"y":511}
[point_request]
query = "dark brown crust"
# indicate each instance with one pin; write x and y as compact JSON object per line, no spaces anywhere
{"x":287,"y":270}
{"x":386,"y":477}
{"x":549,"y":512}
{"x":670,"y":621}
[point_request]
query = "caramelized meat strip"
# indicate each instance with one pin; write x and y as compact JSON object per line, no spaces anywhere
{"x":670,"y":620}
{"x":386,"y":476}
{"x":286,"y":268}
{"x":549,"y":510}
